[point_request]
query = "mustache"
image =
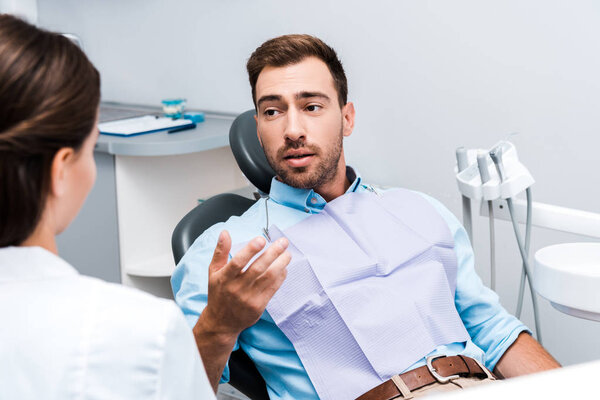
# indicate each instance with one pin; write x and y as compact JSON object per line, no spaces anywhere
{"x":297,"y":145}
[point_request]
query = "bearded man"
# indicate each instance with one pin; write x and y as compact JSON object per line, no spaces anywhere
{"x":380,"y":296}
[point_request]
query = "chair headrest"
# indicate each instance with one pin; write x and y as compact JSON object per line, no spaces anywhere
{"x":249,"y":153}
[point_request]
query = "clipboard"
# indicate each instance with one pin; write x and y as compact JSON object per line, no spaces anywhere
{"x":142,"y":125}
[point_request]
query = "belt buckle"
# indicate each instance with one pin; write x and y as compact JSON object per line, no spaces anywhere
{"x":438,"y":377}
{"x":490,"y":376}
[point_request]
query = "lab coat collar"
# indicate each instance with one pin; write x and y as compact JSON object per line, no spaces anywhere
{"x":307,"y":199}
{"x":31,"y":262}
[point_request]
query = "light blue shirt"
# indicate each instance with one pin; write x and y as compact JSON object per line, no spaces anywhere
{"x":491,"y":328}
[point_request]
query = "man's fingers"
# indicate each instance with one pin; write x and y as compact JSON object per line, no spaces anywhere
{"x":221,"y":253}
{"x":243,"y":257}
{"x":272,"y":278}
{"x":263,"y":262}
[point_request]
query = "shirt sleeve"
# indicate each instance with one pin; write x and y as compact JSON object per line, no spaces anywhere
{"x":490,"y":326}
{"x":190,"y":280}
{"x":182,"y":374}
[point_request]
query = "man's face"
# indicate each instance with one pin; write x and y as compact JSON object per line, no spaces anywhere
{"x":300,"y":123}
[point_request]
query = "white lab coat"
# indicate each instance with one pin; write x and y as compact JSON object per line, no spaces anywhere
{"x":67,"y":336}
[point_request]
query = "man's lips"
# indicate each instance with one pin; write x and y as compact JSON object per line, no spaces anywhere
{"x":298,"y":158}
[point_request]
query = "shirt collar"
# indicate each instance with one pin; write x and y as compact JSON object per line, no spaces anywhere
{"x":307,"y":200}
{"x":31,"y":262}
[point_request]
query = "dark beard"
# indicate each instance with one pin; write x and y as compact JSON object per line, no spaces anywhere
{"x":325,"y":171}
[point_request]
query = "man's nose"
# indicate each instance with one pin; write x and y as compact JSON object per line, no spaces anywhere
{"x":294,"y":129}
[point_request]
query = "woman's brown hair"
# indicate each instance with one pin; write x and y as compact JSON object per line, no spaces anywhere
{"x":49,"y":96}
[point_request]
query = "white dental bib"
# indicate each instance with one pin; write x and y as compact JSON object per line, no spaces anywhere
{"x":369,"y":291}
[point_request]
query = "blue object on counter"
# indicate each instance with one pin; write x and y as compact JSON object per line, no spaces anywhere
{"x":194,"y":116}
{"x":173,"y":108}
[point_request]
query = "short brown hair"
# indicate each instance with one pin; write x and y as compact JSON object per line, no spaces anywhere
{"x":49,"y":96}
{"x":291,"y":49}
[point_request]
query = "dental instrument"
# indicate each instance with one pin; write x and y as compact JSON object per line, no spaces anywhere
{"x":485,"y":177}
{"x":526,"y":272}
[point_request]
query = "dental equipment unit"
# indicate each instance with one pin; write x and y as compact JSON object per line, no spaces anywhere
{"x":492,"y":175}
{"x":566,"y":274}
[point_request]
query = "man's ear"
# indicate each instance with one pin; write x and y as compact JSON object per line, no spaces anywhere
{"x":59,"y":171}
{"x":257,"y":134}
{"x":348,"y":119}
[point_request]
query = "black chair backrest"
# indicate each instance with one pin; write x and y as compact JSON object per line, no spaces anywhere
{"x":216,"y":209}
{"x":249,"y":153}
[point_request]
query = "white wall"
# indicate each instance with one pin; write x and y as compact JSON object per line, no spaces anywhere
{"x":26,"y":9}
{"x":426,"y":77}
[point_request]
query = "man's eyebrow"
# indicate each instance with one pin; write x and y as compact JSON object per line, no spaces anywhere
{"x":269,"y":97}
{"x":306,"y":95}
{"x":299,"y":96}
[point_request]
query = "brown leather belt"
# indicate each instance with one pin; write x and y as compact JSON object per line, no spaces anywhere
{"x":439,"y":369}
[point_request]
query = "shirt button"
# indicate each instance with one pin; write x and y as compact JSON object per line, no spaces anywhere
{"x":306,"y":210}
{"x":313,"y":200}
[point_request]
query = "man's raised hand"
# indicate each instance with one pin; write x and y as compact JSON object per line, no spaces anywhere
{"x":237,"y":297}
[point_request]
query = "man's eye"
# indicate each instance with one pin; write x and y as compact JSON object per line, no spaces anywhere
{"x":271,"y":113}
{"x":313,"y":107}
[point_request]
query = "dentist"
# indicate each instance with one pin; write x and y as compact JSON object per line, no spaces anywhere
{"x":63,"y":335}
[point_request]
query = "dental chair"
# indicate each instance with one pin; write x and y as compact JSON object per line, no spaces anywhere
{"x":252,"y":161}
